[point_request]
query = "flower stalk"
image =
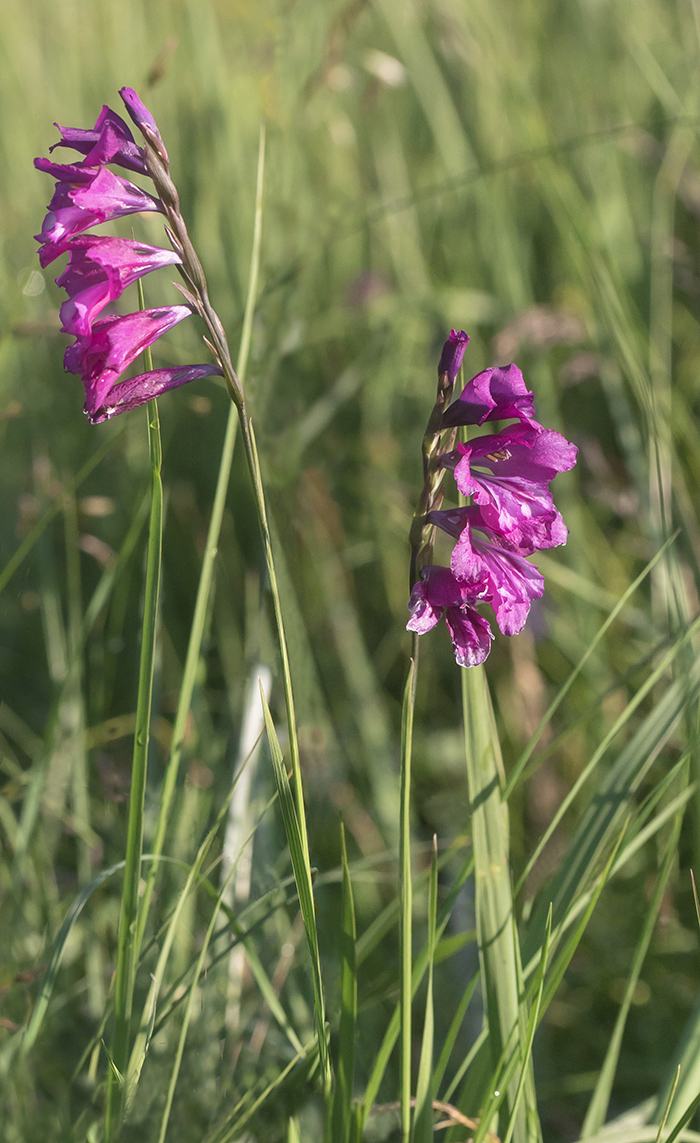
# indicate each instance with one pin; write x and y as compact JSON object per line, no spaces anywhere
{"x":511,"y":515}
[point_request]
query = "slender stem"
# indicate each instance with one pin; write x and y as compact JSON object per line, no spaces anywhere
{"x":126,"y":941}
{"x":406,"y":892}
{"x":253,"y":460}
{"x":208,"y":563}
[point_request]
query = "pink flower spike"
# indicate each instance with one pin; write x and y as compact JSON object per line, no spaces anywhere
{"x":497,"y":394}
{"x":137,"y":391}
{"x":99,"y":270}
{"x":86,"y":196}
{"x":441,"y":593}
{"x":143,"y":119}
{"x":110,"y":141}
{"x":113,"y":343}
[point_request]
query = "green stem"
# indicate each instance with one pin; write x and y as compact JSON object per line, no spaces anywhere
{"x":127,"y":937}
{"x":406,"y":893}
{"x":207,"y":573}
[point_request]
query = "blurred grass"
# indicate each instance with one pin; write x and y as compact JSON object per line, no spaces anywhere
{"x":528,"y":172}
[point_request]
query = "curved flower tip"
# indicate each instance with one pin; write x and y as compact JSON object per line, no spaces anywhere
{"x":112,"y":344}
{"x":138,"y":390}
{"x":441,"y":593}
{"x":497,"y":394}
{"x":452,"y":354}
{"x":143,"y":119}
{"x":110,"y":141}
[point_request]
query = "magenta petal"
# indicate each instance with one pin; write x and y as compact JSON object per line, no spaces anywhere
{"x":440,"y":592}
{"x":98,"y":271}
{"x":88,"y":197}
{"x":138,"y":390}
{"x":512,"y":582}
{"x":110,"y":141}
{"x":497,"y":394}
{"x":452,"y":354}
{"x":112,"y":345}
{"x":470,"y":633}
{"x":424,"y":615}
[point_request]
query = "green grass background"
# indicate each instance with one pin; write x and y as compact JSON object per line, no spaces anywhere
{"x":525,"y":171}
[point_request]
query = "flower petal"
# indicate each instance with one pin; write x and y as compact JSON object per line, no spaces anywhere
{"x":112,"y":345}
{"x":138,"y":390}
{"x":110,"y":141}
{"x":86,"y":196}
{"x":512,"y":582}
{"x":508,"y":475}
{"x":470,"y":633}
{"x":497,"y":394}
{"x":98,"y":271}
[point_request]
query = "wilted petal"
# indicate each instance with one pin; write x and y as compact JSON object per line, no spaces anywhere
{"x":112,"y":345}
{"x":452,"y":354}
{"x":497,"y":394}
{"x":137,"y":391}
{"x":85,"y":196}
{"x":110,"y":141}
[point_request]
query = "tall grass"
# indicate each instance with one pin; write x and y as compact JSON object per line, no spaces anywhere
{"x":528,"y":173}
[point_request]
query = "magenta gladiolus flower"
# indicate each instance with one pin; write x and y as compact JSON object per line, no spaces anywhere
{"x":100,"y":268}
{"x":452,"y":354}
{"x":508,"y":475}
{"x":495,"y":395}
{"x":98,"y":271}
{"x":112,"y":344}
{"x":86,"y":196}
{"x":111,"y":141}
{"x":441,"y":593}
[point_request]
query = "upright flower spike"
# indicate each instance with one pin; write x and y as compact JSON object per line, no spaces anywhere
{"x":100,"y":268}
{"x":512,"y":513}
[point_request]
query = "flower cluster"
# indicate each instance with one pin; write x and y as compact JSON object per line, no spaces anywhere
{"x":510,"y":515}
{"x":99,"y":269}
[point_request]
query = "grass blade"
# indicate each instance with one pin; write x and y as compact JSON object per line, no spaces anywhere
{"x":406,"y":894}
{"x":425,"y":1089}
{"x":302,"y":876}
{"x":345,"y":1071}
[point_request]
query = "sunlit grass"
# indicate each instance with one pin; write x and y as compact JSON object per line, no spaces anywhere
{"x":527,"y":173}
